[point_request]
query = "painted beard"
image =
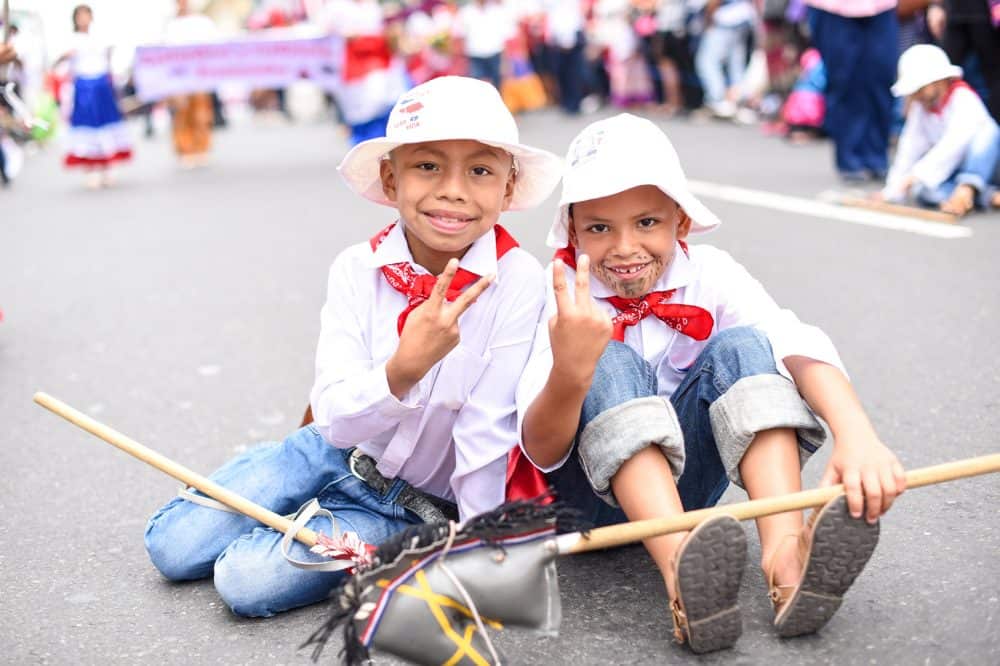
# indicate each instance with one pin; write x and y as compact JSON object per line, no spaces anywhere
{"x":631,"y":283}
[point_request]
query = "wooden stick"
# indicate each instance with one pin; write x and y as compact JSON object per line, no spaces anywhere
{"x":179,"y":472}
{"x":617,"y":535}
{"x":898,"y":209}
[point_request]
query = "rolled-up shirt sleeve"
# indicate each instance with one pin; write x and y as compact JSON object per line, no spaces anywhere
{"x":745,"y":302}
{"x":351,"y":401}
{"x":486,"y":427}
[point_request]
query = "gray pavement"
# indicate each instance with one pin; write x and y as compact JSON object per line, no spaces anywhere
{"x":182,"y":308}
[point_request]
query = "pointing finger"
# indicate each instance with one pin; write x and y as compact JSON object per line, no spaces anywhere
{"x":440,"y":292}
{"x":563,"y":303}
{"x":583,"y":280}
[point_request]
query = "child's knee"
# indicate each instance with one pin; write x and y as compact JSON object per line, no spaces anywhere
{"x":168,"y":543}
{"x":620,"y":375}
{"x":254,"y":579}
{"x":243,"y":584}
{"x":621,"y":432}
{"x":742,"y":351}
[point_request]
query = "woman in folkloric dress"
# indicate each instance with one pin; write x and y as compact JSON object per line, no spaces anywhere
{"x":98,"y":137}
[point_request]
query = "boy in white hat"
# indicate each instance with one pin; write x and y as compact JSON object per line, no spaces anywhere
{"x":949,"y":148}
{"x":413,"y":402}
{"x":660,"y":372}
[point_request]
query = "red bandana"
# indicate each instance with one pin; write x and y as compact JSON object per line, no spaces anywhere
{"x":418,"y":287}
{"x":691,"y":320}
{"x":955,"y":85}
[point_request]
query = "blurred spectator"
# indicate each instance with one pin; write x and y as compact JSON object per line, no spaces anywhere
{"x":565,"y":44}
{"x":805,"y":109}
{"x":722,"y":53}
{"x":965,"y":27}
{"x":484,"y":27}
{"x":521,"y":87}
{"x":98,"y":137}
{"x":192,"y":113}
{"x":616,"y":36}
{"x":669,"y":53}
{"x":852,"y":38}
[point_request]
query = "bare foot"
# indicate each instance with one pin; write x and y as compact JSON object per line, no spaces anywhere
{"x":783,"y":566}
{"x":961,"y":201}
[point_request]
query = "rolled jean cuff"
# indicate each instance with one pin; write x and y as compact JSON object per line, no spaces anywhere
{"x":619,"y":433}
{"x":757,"y":403}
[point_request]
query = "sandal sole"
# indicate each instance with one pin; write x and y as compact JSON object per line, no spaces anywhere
{"x":840,"y":549}
{"x":709,"y":572}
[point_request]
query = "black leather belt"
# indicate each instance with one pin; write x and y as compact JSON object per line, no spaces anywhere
{"x":427,"y":507}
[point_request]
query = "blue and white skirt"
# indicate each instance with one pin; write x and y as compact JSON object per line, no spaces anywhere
{"x":97,"y":135}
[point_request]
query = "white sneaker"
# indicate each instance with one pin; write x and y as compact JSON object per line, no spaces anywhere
{"x":723,"y":109}
{"x":745,"y":116}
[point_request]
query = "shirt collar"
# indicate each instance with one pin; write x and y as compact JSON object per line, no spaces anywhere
{"x":677,"y":275}
{"x":481,"y":258}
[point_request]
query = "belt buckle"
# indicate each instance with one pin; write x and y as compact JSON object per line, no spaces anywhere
{"x":352,"y":462}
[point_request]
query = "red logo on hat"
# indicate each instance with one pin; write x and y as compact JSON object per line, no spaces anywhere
{"x":413,"y":108}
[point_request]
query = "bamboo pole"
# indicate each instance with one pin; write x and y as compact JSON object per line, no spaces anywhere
{"x":618,"y":535}
{"x":603,"y":537}
{"x":179,"y":472}
{"x":899,"y":209}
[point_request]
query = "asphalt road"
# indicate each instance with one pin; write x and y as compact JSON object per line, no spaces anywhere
{"x":181,"y":307}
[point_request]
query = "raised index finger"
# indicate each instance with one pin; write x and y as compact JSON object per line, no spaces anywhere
{"x":559,"y":288}
{"x":440,"y":292}
{"x":583,"y":280}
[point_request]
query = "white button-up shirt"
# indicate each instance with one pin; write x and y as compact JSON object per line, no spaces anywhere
{"x":710,"y":279}
{"x":450,"y":435}
{"x":932,"y":145}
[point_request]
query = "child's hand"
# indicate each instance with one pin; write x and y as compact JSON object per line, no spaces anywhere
{"x":431,"y":331}
{"x":579,"y":331}
{"x":871,"y":474}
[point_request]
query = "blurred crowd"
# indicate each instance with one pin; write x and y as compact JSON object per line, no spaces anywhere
{"x":803,"y":68}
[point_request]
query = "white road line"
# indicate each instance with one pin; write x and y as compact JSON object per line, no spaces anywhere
{"x":827,"y":211}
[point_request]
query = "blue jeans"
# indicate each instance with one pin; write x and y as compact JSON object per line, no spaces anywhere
{"x":721,"y":46}
{"x":487,"y":69}
{"x":731,"y":355}
{"x":860,"y":58}
{"x":980,"y":168}
{"x":187,"y":541}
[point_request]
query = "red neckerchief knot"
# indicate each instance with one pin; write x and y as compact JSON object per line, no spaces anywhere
{"x":418,"y":287}
{"x":691,"y":320}
{"x":955,"y":85}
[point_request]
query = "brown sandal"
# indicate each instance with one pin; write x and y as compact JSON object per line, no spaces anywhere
{"x":833,"y":548}
{"x":708,"y":569}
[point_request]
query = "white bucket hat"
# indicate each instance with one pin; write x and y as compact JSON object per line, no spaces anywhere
{"x":922,"y":64}
{"x":448,"y":108}
{"x":617,"y":154}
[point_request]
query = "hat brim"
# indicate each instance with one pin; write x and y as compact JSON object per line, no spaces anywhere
{"x":538,"y":171}
{"x":702,"y":219}
{"x":907,"y":86}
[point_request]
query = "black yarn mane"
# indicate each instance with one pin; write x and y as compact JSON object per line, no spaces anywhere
{"x":506,"y":520}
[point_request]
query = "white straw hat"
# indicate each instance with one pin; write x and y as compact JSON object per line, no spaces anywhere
{"x":617,"y":154}
{"x":447,"y":108}
{"x":922,"y":64}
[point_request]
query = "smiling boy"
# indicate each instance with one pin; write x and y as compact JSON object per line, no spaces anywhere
{"x":660,"y":372}
{"x":413,"y":401}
